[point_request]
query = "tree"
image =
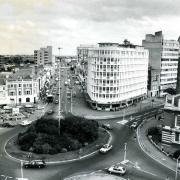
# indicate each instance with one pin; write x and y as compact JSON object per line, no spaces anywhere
{"x":156,"y":134}
{"x":171,"y":91}
{"x":176,"y":154}
{"x":43,"y":137}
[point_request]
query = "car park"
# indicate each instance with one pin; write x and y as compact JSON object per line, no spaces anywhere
{"x":107,"y":126}
{"x":34,"y":164}
{"x":117,"y":169}
{"x":8,"y":125}
{"x":105,"y":148}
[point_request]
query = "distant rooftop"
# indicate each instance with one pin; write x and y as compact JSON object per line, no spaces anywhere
{"x":26,"y":73}
{"x":126,"y":44}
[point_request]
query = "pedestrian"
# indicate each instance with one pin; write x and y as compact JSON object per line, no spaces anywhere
{"x":155,"y":116}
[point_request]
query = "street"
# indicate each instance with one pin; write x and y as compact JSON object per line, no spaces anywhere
{"x":139,"y":165}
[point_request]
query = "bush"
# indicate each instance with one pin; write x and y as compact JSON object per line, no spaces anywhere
{"x":156,"y":134}
{"x":43,"y":135}
{"x":63,"y":150}
{"x":176,"y":154}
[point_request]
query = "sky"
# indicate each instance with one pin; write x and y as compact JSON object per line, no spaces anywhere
{"x":26,"y":25}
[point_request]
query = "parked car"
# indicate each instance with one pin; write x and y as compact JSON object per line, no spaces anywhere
{"x":105,"y":148}
{"x":107,"y":126}
{"x":117,"y":169}
{"x":34,"y":164}
{"x":25,"y":123}
{"x":40,"y":107}
{"x":7,"y":124}
{"x":134,"y":125}
{"x":77,"y":83}
{"x":56,"y":101}
{"x":50,"y":112}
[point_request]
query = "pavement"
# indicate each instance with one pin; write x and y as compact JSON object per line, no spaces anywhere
{"x":150,"y":149}
{"x":81,"y":108}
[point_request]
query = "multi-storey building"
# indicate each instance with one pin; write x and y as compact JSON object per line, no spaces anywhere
{"x":43,"y":56}
{"x":163,"y":59}
{"x":82,"y":56}
{"x":3,"y":93}
{"x":117,"y":75}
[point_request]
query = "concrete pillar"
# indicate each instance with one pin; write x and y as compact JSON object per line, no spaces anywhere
{"x":178,"y":79}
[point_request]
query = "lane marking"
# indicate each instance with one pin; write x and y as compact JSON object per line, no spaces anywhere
{"x":123,"y":122}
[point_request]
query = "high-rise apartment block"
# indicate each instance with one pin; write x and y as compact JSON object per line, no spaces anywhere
{"x":43,"y":56}
{"x":117,"y":75}
{"x":163,"y":63}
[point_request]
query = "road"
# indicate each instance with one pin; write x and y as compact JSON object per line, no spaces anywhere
{"x":140,"y":166}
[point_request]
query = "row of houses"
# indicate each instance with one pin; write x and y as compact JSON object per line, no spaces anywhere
{"x":24,"y":85}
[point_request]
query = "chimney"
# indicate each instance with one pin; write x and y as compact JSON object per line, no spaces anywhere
{"x":178,"y":79}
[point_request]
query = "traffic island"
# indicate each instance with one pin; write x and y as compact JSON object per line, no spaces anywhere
{"x":95,"y":176}
{"x":13,"y":151}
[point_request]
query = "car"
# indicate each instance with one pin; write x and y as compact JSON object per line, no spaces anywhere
{"x":56,"y":101}
{"x":117,"y":169}
{"x":134,"y":125}
{"x":107,"y":126}
{"x":50,"y":112}
{"x":25,"y":123}
{"x":105,"y":148}
{"x":34,"y":164}
{"x":40,"y":107}
{"x":65,"y":83}
{"x":77,"y":82}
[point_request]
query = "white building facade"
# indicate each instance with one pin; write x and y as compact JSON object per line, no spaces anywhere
{"x":117,"y":75}
{"x":22,"y":90}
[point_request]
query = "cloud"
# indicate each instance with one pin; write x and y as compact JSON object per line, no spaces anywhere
{"x":28,"y":25}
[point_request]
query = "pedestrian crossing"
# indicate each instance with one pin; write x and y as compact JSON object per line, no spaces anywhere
{"x":123,"y":122}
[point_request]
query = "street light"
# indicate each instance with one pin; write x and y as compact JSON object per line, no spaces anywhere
{"x":59,"y":118}
{"x":125,"y":144}
{"x":177,"y":162}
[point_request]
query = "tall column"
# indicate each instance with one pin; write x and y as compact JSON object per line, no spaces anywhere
{"x":178,"y":79}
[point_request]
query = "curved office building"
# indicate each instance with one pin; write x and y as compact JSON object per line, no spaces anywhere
{"x":117,"y":75}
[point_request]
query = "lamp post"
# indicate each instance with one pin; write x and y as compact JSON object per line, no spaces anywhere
{"x":177,"y":161}
{"x":125,"y":145}
{"x":59,"y":118}
{"x":124,"y":113}
{"x":22,"y":169}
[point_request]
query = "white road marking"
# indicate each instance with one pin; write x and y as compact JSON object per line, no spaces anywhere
{"x":8,"y":177}
{"x":122,"y":122}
